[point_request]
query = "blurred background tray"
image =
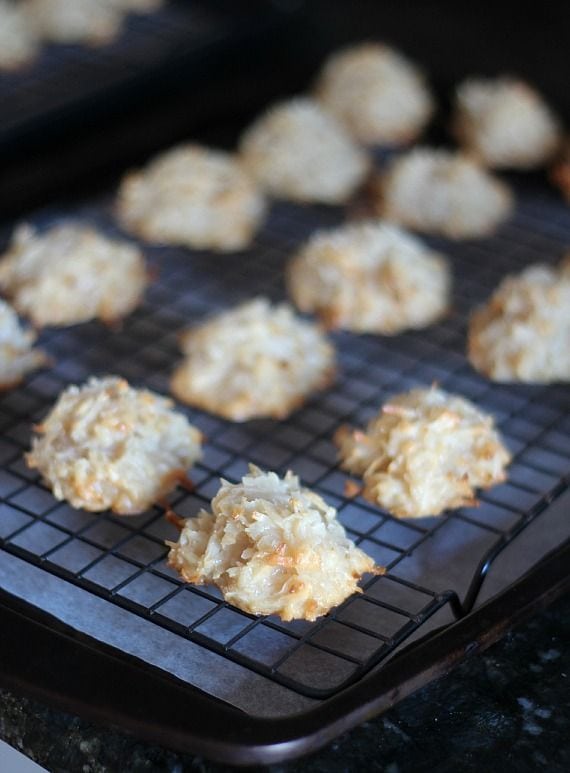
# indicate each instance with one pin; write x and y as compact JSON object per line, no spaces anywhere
{"x":79,"y":110}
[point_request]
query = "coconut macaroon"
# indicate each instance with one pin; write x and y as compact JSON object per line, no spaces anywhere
{"x":194,"y":197}
{"x":19,"y":43}
{"x":370,"y":277}
{"x":297,"y":151}
{"x":254,"y":361}
{"x":17,"y":357}
{"x":441,"y":192}
{"x":505,"y":123}
{"x":272,"y":548}
{"x":523,"y":332}
{"x":376,"y":93}
{"x":71,"y":274}
{"x":425,"y":452}
{"x":88,"y":22}
{"x":107,"y":446}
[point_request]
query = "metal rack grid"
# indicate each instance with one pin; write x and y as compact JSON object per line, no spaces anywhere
{"x":68,"y":76}
{"x":122,"y":560}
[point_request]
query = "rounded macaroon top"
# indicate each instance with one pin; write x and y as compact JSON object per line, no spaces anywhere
{"x":71,"y":273}
{"x":106,"y":445}
{"x":522,"y":333}
{"x":298,"y":151}
{"x":505,"y":123}
{"x":272,"y":547}
{"x":378,"y":95}
{"x":256,"y":360}
{"x":425,"y":452}
{"x":443,"y":192}
{"x":370,"y":277}
{"x":193,"y":196}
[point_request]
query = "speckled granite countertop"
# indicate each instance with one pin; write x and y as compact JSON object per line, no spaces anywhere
{"x":507,"y":709}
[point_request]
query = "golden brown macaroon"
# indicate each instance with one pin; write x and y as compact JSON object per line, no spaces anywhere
{"x":254,"y":361}
{"x":17,"y":357}
{"x":377,"y":94}
{"x":442,"y":192}
{"x":107,"y":446}
{"x":297,"y":151}
{"x":370,"y":277}
{"x":426,"y":452}
{"x":272,"y":548}
{"x":522,"y":333}
{"x":505,"y":123}
{"x":70,"y":274}
{"x":195,"y":197}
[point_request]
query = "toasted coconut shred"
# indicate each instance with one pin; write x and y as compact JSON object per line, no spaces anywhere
{"x":192,"y":196}
{"x":505,"y":123}
{"x":298,"y":151}
{"x":106,"y":446}
{"x":376,"y":93}
{"x":426,"y":452}
{"x":272,"y":548}
{"x":442,"y":192}
{"x":71,"y":274}
{"x":256,"y":360}
{"x":370,"y":277}
{"x":523,"y":332}
{"x":17,"y":357}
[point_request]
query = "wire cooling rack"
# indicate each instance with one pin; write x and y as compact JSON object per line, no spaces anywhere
{"x":122,"y":560}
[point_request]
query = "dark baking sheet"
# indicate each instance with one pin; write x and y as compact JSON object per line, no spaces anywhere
{"x":104,"y":578}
